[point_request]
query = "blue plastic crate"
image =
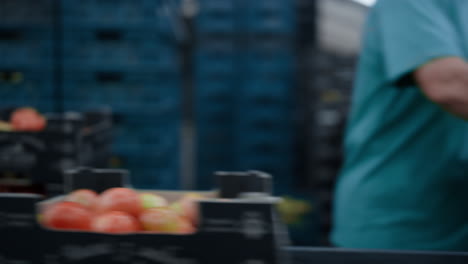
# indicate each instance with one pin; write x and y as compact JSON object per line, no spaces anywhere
{"x":217,"y":43}
{"x":271,"y":164}
{"x":133,"y":143}
{"x":43,"y":105}
{"x":27,"y":88}
{"x":271,"y":44}
{"x":118,"y":50}
{"x":275,"y":62}
{"x":262,"y":124}
{"x":205,"y":172}
{"x":216,"y":117}
{"x":211,"y":108}
{"x":164,"y":139}
{"x":148,"y":151}
{"x":20,"y":48}
{"x":270,"y":16}
{"x":214,"y":113}
{"x":216,"y":57}
{"x":270,"y":5}
{"x":205,"y":179}
{"x":266,"y":118}
{"x":215,"y":89}
{"x":205,"y":127}
{"x":261,"y":91}
{"x":276,"y":147}
{"x":210,"y":154}
{"x":215,"y":140}
{"x":148,"y":118}
{"x":124,"y":91}
{"x":208,"y":93}
{"x":212,"y":64}
{"x":150,"y":131}
{"x":105,"y":13}
{"x":151,"y":178}
{"x":283,"y":174}
{"x":217,"y":17}
{"x":210,"y":120}
{"x":29,"y":13}
{"x":224,"y":22}
{"x":270,"y":24}
{"x":217,"y":6}
{"x":153,"y":156}
{"x":270,"y":55}
{"x":278,"y":136}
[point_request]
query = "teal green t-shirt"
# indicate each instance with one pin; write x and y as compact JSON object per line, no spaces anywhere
{"x":404,"y":183}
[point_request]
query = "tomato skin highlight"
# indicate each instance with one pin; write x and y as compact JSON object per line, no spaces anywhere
{"x":189,"y":207}
{"x":119,"y":199}
{"x":161,"y":220}
{"x":115,"y":223}
{"x":85,"y":197}
{"x":67,"y":216}
{"x":149,"y":200}
{"x":27,"y":119}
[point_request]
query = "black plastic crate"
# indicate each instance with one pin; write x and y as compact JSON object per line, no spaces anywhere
{"x":69,"y":140}
{"x":242,"y":230}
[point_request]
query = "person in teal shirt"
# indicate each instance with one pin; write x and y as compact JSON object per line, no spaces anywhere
{"x":404,"y":182}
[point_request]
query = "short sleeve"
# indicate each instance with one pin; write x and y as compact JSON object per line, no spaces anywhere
{"x":413,"y":32}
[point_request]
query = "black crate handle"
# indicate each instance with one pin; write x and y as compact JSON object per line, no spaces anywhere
{"x":98,"y":180}
{"x":233,"y":184}
{"x":10,"y":35}
{"x":109,"y":77}
{"x":108,"y":35}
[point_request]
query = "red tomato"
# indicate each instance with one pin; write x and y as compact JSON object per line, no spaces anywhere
{"x":39,"y":124}
{"x":149,"y":200}
{"x":27,"y":119}
{"x":24,"y":111}
{"x":85,"y":197}
{"x":67,"y":215}
{"x":119,"y":199}
{"x":185,"y":227}
{"x":160,"y":220}
{"x":189,"y":207}
{"x":115,"y":222}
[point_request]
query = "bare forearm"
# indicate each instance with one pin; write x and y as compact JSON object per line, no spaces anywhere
{"x":445,"y":82}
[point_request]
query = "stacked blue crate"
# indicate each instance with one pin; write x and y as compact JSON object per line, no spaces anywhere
{"x":219,"y":17}
{"x":118,"y":54}
{"x":116,"y":13}
{"x":117,"y":49}
{"x":27,"y":87}
{"x":215,"y":66}
{"x":26,"y":54}
{"x":264,"y":129}
{"x":275,"y":17}
{"x":246,"y":46}
{"x":148,"y":145}
{"x":124,"y":91}
{"x":265,"y":136}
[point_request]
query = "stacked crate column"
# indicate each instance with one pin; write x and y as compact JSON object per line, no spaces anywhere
{"x":119,"y":54}
{"x":215,"y":66}
{"x":265,"y":108}
{"x":26,"y":52}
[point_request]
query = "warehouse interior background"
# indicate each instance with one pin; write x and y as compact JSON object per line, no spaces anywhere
{"x":189,"y":87}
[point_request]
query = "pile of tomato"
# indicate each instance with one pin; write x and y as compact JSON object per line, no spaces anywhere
{"x":122,"y":210}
